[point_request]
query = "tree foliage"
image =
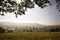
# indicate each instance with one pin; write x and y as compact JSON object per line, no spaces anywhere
{"x":20,"y":8}
{"x":58,"y":4}
{"x":54,"y":30}
{"x":2,"y":30}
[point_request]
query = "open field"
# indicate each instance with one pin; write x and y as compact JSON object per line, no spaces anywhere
{"x":30,"y":36}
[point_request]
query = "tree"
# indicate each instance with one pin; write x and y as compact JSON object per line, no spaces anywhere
{"x":2,"y":30}
{"x":20,"y":8}
{"x":54,"y":30}
{"x":58,"y":4}
{"x":10,"y":31}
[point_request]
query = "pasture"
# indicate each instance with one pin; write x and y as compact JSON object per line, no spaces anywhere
{"x":30,"y":36}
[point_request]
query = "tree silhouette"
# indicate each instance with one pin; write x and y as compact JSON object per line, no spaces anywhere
{"x":58,"y":4}
{"x":20,"y":8}
{"x":2,"y":30}
{"x":54,"y":30}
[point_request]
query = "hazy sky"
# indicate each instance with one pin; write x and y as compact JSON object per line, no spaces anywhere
{"x":46,"y":16}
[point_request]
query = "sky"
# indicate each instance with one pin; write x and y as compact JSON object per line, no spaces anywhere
{"x":46,"y":16}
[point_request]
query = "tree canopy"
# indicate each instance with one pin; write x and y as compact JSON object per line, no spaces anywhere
{"x":20,"y":8}
{"x":58,"y":4}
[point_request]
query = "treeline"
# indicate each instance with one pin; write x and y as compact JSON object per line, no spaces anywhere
{"x":54,"y":30}
{"x":3,"y":30}
{"x":32,"y":29}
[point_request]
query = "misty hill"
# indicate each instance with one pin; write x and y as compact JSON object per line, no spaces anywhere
{"x":12,"y":24}
{"x":22,"y":26}
{"x":27,"y":26}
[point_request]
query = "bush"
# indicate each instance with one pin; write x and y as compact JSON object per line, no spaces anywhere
{"x":54,"y":30}
{"x":2,"y":30}
{"x":10,"y":31}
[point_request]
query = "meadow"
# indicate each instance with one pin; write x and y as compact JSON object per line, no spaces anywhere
{"x":30,"y":36}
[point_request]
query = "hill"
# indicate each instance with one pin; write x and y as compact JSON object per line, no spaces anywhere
{"x":29,"y":27}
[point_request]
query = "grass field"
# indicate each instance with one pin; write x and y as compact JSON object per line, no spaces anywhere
{"x":30,"y":36}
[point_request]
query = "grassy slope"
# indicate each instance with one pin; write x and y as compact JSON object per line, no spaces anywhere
{"x":30,"y":36}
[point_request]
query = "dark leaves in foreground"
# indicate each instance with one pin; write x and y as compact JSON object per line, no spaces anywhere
{"x":20,"y":8}
{"x":58,"y":4}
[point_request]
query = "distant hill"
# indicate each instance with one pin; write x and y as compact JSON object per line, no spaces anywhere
{"x":27,"y":26}
{"x":12,"y":24}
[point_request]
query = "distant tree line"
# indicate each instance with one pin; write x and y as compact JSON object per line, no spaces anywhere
{"x":33,"y":29}
{"x":54,"y":30}
{"x":2,"y":30}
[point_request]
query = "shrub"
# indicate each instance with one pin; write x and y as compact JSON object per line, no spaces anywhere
{"x":54,"y":30}
{"x":2,"y":30}
{"x":10,"y":31}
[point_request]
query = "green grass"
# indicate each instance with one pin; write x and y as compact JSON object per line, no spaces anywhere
{"x":30,"y":36}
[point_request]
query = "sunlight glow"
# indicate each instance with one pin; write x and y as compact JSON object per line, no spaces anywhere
{"x":18,"y":1}
{"x":45,"y":16}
